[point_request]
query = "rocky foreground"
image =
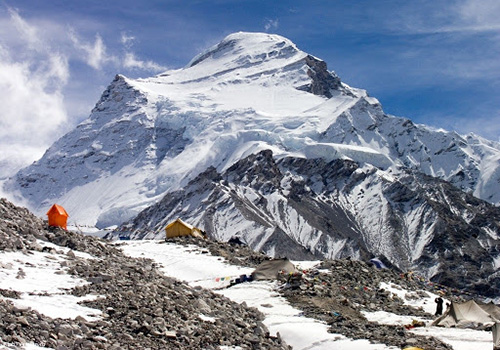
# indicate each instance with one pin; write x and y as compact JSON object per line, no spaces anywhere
{"x":141,"y":308}
{"x":337,"y":292}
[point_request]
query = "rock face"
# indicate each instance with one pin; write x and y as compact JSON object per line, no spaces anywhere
{"x":323,"y":82}
{"x":417,"y":222}
{"x":141,"y":308}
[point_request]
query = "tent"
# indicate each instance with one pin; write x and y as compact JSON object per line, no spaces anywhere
{"x":271,"y":269}
{"x":469,"y":315}
{"x":57,"y":216}
{"x":492,"y":309}
{"x":378,"y":263}
{"x":496,"y":335}
{"x":180,"y":228}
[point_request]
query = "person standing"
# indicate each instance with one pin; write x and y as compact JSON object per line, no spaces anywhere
{"x":439,"y":307}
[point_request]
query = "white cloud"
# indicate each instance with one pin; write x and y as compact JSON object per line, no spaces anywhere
{"x":271,"y":24}
{"x":131,"y":62}
{"x":33,"y":111}
{"x":127,"y":40}
{"x":94,"y":53}
{"x":129,"y":59}
{"x":435,"y":17}
{"x":26,"y":32}
{"x":33,"y":75}
{"x":480,"y":15}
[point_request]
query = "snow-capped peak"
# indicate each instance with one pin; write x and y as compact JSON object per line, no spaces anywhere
{"x":240,"y":49}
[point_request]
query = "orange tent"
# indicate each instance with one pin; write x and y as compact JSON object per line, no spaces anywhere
{"x":57,"y":216}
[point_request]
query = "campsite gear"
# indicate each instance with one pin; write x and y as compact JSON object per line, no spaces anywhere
{"x":469,"y":315}
{"x":439,"y":307}
{"x":241,"y":279}
{"x":496,"y":336}
{"x":378,"y":263}
{"x":57,"y":216}
{"x":272,"y":269}
{"x":413,"y":348}
{"x":180,"y":228}
{"x":414,"y":324}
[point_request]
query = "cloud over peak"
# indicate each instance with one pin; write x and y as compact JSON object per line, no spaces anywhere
{"x":35,"y":69}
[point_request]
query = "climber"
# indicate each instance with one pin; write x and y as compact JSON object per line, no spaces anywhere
{"x":439,"y":306}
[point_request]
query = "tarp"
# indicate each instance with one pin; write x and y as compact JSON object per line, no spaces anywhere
{"x":468,"y":315}
{"x":270,"y":269}
{"x":491,"y":309}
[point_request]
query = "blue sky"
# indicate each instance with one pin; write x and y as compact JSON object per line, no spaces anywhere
{"x":435,"y":62}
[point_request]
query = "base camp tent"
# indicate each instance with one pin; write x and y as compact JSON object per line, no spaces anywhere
{"x":180,"y":228}
{"x":378,"y":263}
{"x":271,"y":269}
{"x":469,"y":315}
{"x":57,"y":216}
{"x":496,"y":336}
{"x":472,"y":315}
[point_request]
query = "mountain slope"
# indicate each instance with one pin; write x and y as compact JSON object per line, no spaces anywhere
{"x":338,"y":209}
{"x":128,"y":298}
{"x":248,"y":93}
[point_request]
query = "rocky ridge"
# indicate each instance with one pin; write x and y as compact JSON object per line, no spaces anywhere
{"x":134,"y":298}
{"x":417,"y":222}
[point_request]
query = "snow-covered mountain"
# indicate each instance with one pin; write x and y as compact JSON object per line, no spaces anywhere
{"x":147,"y":138}
{"x":248,"y":93}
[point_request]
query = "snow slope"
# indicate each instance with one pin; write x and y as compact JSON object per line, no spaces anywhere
{"x":190,"y":265}
{"x":43,"y":283}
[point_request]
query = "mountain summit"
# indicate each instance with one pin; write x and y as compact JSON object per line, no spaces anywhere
{"x":250,"y":92}
{"x":256,"y":138}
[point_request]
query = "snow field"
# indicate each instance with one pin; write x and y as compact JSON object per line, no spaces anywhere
{"x":43,"y":283}
{"x":199,"y":269}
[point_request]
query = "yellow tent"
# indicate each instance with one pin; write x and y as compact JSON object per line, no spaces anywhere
{"x":180,"y":228}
